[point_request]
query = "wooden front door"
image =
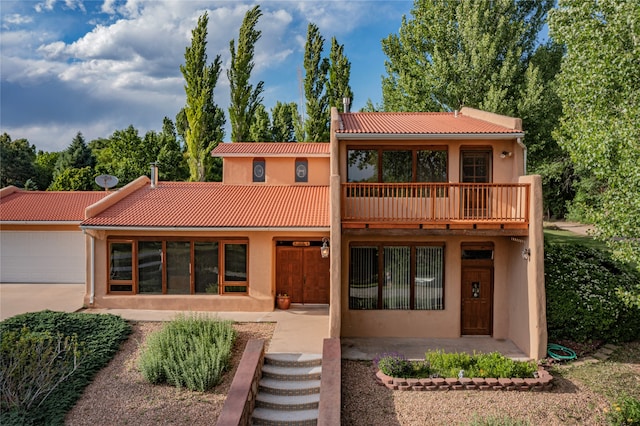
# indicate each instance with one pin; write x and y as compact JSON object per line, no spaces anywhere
{"x":303,"y":274}
{"x":477,"y":300}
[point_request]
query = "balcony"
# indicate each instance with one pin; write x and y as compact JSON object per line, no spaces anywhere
{"x":436,"y":205}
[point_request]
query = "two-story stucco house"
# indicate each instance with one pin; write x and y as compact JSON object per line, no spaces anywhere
{"x":433,"y":228}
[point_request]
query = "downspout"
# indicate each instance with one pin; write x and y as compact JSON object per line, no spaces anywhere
{"x":524,"y":150}
{"x":92,"y":277}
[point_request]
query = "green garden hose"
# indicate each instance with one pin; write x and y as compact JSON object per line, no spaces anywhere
{"x":556,"y":352}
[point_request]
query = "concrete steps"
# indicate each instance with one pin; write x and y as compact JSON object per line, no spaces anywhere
{"x":289,"y":391}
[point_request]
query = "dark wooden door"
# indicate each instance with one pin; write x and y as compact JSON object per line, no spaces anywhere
{"x":475,"y":168}
{"x":316,"y":276}
{"x":477,"y":301}
{"x":303,"y":274}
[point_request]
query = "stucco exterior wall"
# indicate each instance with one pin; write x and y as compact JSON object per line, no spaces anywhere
{"x":437,"y":324}
{"x":279,"y":171}
{"x":260,"y":277}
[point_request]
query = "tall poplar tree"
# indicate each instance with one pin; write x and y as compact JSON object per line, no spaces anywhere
{"x":316,"y":125}
{"x":244,"y":97}
{"x":201,"y":121}
{"x":339,"y":75}
{"x":260,"y":130}
{"x":284,"y":117}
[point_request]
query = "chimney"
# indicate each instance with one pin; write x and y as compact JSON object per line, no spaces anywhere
{"x":154,"y":175}
{"x":345,"y":103}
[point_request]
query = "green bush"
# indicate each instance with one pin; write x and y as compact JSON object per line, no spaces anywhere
{"x":625,"y":412}
{"x":442,"y":364}
{"x":584,"y":288}
{"x":99,"y":338}
{"x":32,"y":365}
{"x":492,"y":364}
{"x":190,"y":351}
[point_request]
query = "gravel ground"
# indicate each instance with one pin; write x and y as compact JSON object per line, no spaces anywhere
{"x":366,"y":403}
{"x":120,"y":396}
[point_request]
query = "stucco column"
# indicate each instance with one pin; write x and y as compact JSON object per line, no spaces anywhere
{"x":335,"y":232}
{"x":535,"y":271}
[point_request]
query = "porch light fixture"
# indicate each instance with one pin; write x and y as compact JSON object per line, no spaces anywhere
{"x":324,"y":250}
{"x":526,"y":253}
{"x":505,"y":154}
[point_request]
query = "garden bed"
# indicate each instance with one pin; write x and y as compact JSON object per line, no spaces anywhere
{"x":543,"y":382}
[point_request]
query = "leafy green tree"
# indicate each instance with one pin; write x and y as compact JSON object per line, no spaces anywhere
{"x":462,"y":53}
{"x":126,"y":155}
{"x":77,"y":155}
{"x":244,"y":97}
{"x":45,"y":166}
{"x":599,"y":85}
{"x":172,"y":164}
{"x":201,"y":121}
{"x":74,"y":179}
{"x":16,"y":161}
{"x":260,"y":130}
{"x":339,"y":74}
{"x":316,"y":124}
{"x":284,"y":119}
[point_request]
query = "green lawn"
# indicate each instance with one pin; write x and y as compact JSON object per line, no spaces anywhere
{"x":560,"y":236}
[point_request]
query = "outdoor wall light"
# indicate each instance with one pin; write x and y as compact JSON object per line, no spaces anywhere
{"x":526,"y":253}
{"x":506,"y":154}
{"x":324,"y":250}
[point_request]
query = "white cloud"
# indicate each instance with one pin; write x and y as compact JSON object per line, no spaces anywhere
{"x":125,"y":69}
{"x":15,"y":19}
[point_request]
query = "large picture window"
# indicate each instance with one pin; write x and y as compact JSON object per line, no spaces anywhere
{"x":400,"y":276}
{"x":145,"y":266}
{"x":393,"y":165}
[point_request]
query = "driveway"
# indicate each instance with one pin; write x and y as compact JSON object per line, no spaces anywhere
{"x":20,"y":298}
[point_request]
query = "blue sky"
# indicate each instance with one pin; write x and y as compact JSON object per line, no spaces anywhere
{"x":100,"y":66}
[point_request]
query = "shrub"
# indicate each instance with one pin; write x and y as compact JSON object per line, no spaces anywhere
{"x":97,"y":336}
{"x":492,"y":364}
{"x":32,"y":365}
{"x":584,"y":289}
{"x":625,"y":412}
{"x":190,"y":351}
{"x":394,"y":365}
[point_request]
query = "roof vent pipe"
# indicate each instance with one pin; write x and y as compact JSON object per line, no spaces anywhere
{"x":345,"y":103}
{"x":455,"y":113}
{"x":154,"y":175}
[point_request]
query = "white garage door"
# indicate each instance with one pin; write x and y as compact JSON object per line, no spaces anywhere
{"x":42,"y":257}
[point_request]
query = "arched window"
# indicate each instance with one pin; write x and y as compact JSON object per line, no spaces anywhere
{"x":302,"y":170}
{"x":258,"y":170}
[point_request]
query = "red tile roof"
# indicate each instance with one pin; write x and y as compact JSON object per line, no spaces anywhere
{"x":416,"y":123}
{"x":216,"y":205}
{"x":47,"y":206}
{"x":266,"y":149}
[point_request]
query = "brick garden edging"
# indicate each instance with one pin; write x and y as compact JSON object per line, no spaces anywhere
{"x":543,"y":382}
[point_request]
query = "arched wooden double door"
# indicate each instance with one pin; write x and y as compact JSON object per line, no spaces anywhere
{"x":301,"y":272}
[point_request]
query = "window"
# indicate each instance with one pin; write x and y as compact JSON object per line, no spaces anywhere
{"x":400,"y":277}
{"x":235,"y":268}
{"x":121,"y":266}
{"x":302,"y":170}
{"x":178,"y":266}
{"x":258,"y":170}
{"x":393,"y":165}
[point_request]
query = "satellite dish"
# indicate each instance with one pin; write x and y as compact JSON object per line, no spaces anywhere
{"x":106,"y":181}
